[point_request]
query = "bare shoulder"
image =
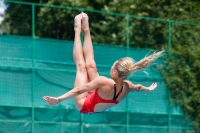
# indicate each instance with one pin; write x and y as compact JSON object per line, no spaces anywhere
{"x":105,"y":82}
{"x":129,"y":84}
{"x":102,"y":80}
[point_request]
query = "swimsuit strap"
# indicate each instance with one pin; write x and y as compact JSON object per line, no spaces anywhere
{"x":116,"y":96}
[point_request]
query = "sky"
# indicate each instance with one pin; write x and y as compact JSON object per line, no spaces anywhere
{"x":2,"y":8}
{"x":2,"y":4}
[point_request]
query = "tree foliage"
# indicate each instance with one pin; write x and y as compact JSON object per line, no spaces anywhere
{"x":57,"y":23}
{"x":181,"y":71}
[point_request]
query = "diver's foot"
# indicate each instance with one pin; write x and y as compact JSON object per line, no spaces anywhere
{"x":77,"y":22}
{"x":85,"y":23}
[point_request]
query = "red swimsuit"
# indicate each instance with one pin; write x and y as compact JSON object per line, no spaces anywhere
{"x":93,"y":98}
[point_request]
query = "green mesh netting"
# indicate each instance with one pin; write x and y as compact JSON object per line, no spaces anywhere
{"x":31,"y":68}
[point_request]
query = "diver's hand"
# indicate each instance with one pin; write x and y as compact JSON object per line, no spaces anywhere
{"x":151,"y":87}
{"x":51,"y":100}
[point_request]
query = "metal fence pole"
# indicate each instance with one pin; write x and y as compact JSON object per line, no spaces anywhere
{"x":127,"y":34}
{"x":33,"y":65}
{"x":169,"y":36}
{"x":168,"y":93}
{"x":128,"y":48}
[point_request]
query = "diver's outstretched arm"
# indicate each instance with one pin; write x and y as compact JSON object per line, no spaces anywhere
{"x":96,"y":83}
{"x":139,"y":87}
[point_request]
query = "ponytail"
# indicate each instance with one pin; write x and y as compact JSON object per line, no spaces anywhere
{"x":146,"y":61}
{"x":127,"y":65}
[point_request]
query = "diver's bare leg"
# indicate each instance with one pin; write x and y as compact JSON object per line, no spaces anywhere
{"x":88,"y":49}
{"x":81,"y":73}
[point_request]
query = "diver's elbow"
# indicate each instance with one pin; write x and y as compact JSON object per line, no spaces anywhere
{"x":79,"y":90}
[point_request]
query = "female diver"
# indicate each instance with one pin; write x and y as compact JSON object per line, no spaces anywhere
{"x":92,"y":92}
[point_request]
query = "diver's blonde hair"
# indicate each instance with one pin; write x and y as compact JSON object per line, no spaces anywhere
{"x":127,"y":65}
